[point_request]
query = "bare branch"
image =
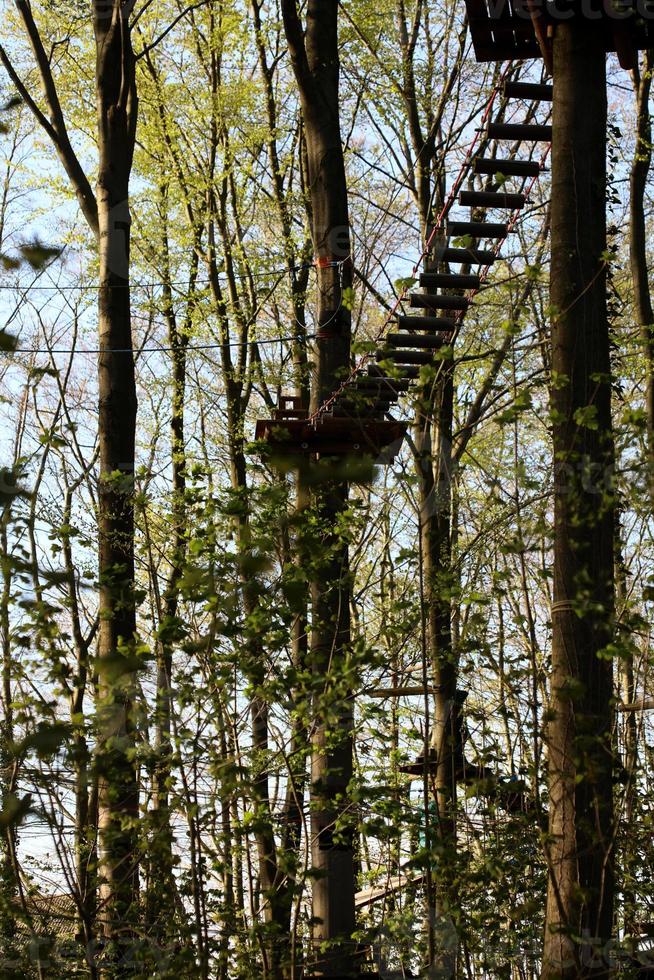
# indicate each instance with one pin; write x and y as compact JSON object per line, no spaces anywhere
{"x":171,"y":26}
{"x":55,"y":127}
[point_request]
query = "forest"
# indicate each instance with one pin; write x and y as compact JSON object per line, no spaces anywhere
{"x":321,"y":657}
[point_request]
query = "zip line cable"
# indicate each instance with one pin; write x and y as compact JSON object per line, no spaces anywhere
{"x":150,"y":285}
{"x":184,"y":347}
{"x":162,"y":349}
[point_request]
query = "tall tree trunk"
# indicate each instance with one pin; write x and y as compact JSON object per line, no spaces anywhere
{"x":316,"y":65}
{"x":580,"y":848}
{"x":118,"y":790}
{"x":162,"y":907}
{"x":435,"y":483}
{"x":638,"y":242}
{"x":8,"y":882}
{"x":640,"y":169}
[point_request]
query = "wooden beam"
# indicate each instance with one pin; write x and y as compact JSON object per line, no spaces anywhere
{"x":643,"y":704}
{"x":399,"y":692}
{"x":395,"y":884}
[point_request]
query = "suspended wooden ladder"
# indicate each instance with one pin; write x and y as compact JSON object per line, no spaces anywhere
{"x":355,"y":419}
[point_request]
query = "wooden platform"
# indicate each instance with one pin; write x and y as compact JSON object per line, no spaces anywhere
{"x":292,"y":432}
{"x":507,"y":30}
{"x":333,"y":437}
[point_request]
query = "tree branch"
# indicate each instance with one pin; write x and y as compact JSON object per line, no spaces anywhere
{"x":173,"y":24}
{"x":55,"y":127}
{"x":295,"y":37}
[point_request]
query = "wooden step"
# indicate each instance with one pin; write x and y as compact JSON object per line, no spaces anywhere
{"x":476,"y":229}
{"x":431,"y":323}
{"x":531,"y":91}
{"x":428,"y":340}
{"x":405,"y":356}
{"x":355,"y":400}
{"x":466,"y":256}
{"x":448,"y":280}
{"x":427,"y":301}
{"x":374,"y":371}
{"x":520,"y":131}
{"x":379,"y":405}
{"x":508,"y":168}
{"x":343,"y":413}
{"x":491,"y":199}
{"x":365,"y":384}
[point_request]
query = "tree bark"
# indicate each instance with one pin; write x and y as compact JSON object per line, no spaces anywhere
{"x":580,"y":844}
{"x":316,"y":66}
{"x":638,"y":243}
{"x":118,"y":790}
{"x":435,"y":475}
{"x":108,"y":217}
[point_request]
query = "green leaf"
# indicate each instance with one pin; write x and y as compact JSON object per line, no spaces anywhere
{"x":7,"y":341}
{"x":9,"y":262}
{"x":405,"y":283}
{"x":14,"y":810}
{"x":45,"y":741}
{"x":586,"y":417}
{"x":37,"y":254}
{"x":348,"y":298}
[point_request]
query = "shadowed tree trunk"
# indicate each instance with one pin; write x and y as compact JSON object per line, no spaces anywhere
{"x":316,"y":65}
{"x":580,"y":856}
{"x":638,"y":241}
{"x":118,"y":791}
{"x":644,"y":313}
{"x":107,"y":214}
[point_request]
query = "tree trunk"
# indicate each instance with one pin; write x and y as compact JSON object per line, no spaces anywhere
{"x":435,"y":475}
{"x":644,"y":313}
{"x":316,"y":65}
{"x":118,"y":791}
{"x":638,"y":243}
{"x":580,"y":858}
{"x":8,"y":882}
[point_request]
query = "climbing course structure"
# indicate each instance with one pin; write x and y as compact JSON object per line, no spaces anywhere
{"x":506,"y":158}
{"x":502,"y":165}
{"x":573,"y":39}
{"x":504,"y":30}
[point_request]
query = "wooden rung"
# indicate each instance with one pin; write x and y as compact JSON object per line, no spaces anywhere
{"x":644,"y":704}
{"x":412,"y":357}
{"x":379,"y":385}
{"x":531,"y":91}
{"x":425,"y":301}
{"x":508,"y":168}
{"x":406,"y":372}
{"x":431,"y":323}
{"x":491,"y":199}
{"x":448,"y":280}
{"x":366,"y":401}
{"x":354,"y":414}
{"x":343,"y":408}
{"x":362,"y":392}
{"x":466,"y":256}
{"x":520,"y":131}
{"x":476,"y":229}
{"x":400,"y":692}
{"x":433,"y":341}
